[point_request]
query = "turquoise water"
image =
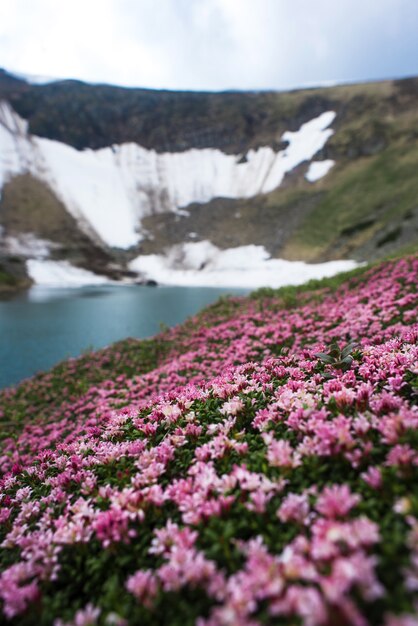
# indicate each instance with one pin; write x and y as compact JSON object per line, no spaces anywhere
{"x":44,"y":326}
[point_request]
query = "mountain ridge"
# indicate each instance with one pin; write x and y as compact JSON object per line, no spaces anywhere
{"x":366,"y":204}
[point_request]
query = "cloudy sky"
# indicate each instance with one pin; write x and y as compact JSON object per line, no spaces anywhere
{"x":210,"y":44}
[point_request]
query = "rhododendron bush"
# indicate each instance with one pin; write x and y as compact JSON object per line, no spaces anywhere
{"x":256,"y":465}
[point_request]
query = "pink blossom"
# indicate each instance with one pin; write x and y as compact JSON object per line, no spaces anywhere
{"x":303,"y":602}
{"x":112,"y":526}
{"x":280,"y":453}
{"x":402,"y":455}
{"x":232,"y":407}
{"x":294,"y":508}
{"x":83,"y":617}
{"x":144,"y":586}
{"x":336,"y":501}
{"x":373,"y":477}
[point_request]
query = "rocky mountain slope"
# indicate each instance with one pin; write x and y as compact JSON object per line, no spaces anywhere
{"x":100,"y":175}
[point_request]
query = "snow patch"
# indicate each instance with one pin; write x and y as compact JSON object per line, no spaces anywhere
{"x":203,"y":264}
{"x":109,"y":191}
{"x":93,"y":189}
{"x":318,"y":169}
{"x":61,"y":274}
{"x":27,"y":245}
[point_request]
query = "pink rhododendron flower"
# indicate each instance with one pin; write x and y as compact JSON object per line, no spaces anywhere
{"x":336,"y":501}
{"x":84,"y":617}
{"x":144,"y":586}
{"x":232,"y":407}
{"x":294,"y":508}
{"x":373,"y":477}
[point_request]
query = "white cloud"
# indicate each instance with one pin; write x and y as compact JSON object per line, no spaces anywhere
{"x":210,"y":44}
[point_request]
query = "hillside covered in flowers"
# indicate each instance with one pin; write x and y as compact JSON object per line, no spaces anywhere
{"x":256,"y":465}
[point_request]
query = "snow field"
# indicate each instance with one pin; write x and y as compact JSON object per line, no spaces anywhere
{"x":109,"y":191}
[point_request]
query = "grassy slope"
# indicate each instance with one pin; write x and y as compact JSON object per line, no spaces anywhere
{"x":368,"y":207}
{"x":362,"y":201}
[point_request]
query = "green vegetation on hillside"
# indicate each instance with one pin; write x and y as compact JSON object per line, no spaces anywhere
{"x":7,"y":279}
{"x":369,"y":204}
{"x":254,"y":466}
{"x":10,"y":281}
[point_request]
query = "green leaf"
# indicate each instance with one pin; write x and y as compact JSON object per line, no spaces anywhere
{"x":324,"y":357}
{"x":348,"y":349}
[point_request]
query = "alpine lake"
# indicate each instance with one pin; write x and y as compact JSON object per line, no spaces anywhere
{"x":45,"y":325}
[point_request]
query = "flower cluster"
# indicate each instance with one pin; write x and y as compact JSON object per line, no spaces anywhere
{"x":236,"y":477}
